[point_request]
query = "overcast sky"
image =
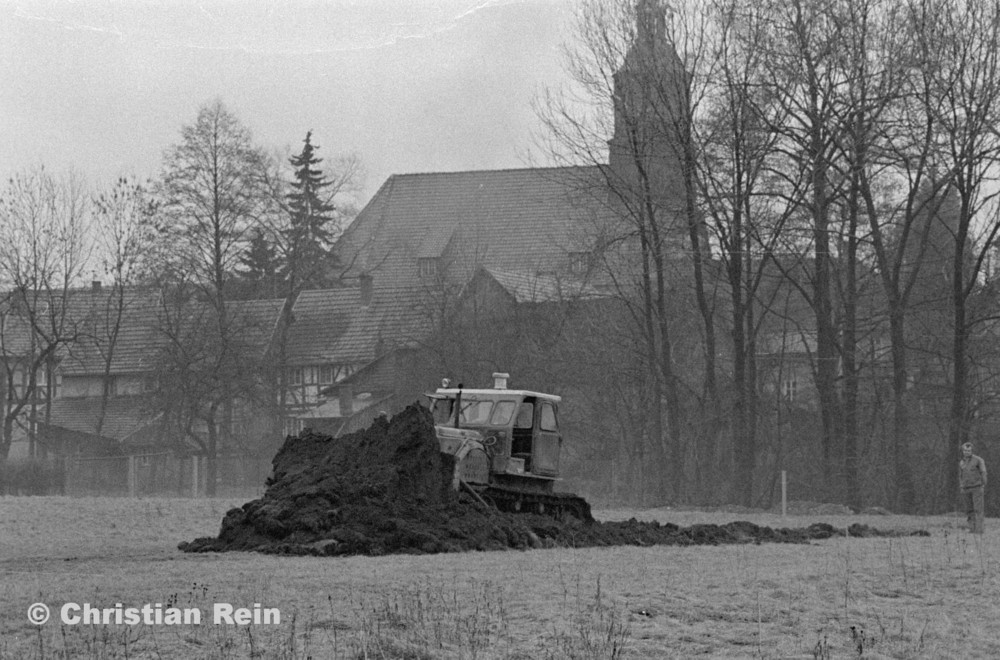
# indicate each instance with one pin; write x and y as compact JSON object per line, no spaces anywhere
{"x":104,"y":86}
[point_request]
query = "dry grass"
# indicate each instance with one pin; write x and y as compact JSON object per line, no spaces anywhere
{"x":905,"y":597}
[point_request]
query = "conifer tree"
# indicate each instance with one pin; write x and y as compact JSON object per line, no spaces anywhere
{"x":261,"y":266}
{"x":309,"y":234}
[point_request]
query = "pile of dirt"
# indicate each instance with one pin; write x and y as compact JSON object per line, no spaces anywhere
{"x":387,"y":489}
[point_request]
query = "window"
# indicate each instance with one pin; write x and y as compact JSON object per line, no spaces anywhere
{"x":502,"y":413}
{"x":547,"y":421}
{"x":443,"y":410}
{"x":42,"y":383}
{"x":789,"y":386}
{"x":326,"y":374}
{"x":293,"y":426}
{"x":428,"y":267}
{"x":580,"y":263}
{"x":525,"y":416}
{"x":476,"y":412}
{"x":295,"y":376}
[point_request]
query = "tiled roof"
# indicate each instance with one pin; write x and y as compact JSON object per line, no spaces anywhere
{"x":395,"y":317}
{"x":138,"y":334}
{"x":122,"y":419}
{"x":530,"y":287}
{"x":320,"y":318}
{"x":62,"y":316}
{"x":141,"y":333}
{"x":15,"y":336}
{"x":332,"y":326}
{"x":257,"y":320}
{"x":510,"y":220}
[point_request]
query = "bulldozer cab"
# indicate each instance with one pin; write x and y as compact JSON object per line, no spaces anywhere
{"x":535,"y":436}
{"x":519,"y":427}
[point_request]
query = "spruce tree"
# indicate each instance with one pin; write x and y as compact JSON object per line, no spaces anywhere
{"x":309,"y":234}
{"x":261,"y":267}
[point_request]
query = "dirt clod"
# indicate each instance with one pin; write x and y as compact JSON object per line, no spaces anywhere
{"x":387,"y":489}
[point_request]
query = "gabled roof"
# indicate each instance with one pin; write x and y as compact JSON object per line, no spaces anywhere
{"x":123,"y":419}
{"x":258,"y":320}
{"x":320,"y":318}
{"x":333,"y":326}
{"x":140,"y":332}
{"x":15,"y":332}
{"x":511,"y":220}
{"x":397,"y":316}
{"x":61,"y":316}
{"x":530,"y":287}
{"x":137,"y":334}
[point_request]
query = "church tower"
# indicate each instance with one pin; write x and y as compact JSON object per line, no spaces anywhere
{"x":646,"y":152}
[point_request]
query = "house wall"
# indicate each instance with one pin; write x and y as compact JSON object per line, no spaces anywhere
{"x":402,"y":372}
{"x":93,"y":386}
{"x":788,"y":379}
{"x":20,"y":380}
{"x":306,"y":381}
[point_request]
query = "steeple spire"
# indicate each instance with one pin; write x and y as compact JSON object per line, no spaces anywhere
{"x":647,"y":148}
{"x":651,"y":22}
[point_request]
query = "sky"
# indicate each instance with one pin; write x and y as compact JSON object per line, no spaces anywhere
{"x":103,"y":87}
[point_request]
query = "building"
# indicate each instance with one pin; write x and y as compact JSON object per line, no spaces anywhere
{"x":431,"y":258}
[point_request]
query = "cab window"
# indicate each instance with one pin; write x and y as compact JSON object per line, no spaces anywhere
{"x":525,"y":416}
{"x":547,"y":421}
{"x":476,"y":412}
{"x":502,"y":413}
{"x":442,"y":410}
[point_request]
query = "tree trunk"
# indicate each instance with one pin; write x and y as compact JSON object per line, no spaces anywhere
{"x":905,"y":491}
{"x":958,"y":428}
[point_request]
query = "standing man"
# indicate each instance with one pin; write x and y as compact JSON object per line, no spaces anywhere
{"x":972,"y":478}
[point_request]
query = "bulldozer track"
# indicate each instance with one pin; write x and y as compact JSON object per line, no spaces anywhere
{"x":561,"y":506}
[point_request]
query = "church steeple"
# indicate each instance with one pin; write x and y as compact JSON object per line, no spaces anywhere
{"x":650,"y":105}
{"x":651,"y":23}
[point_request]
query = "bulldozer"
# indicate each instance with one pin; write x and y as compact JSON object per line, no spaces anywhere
{"x":506,"y":444}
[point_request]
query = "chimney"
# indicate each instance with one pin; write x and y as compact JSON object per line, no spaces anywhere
{"x":95,"y":286}
{"x":500,"y":380}
{"x":346,"y":399}
{"x":367,"y":286}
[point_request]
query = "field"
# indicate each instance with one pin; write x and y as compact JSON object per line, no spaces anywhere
{"x":905,"y":597}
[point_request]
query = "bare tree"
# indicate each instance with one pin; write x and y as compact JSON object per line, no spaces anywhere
{"x":871,"y":64}
{"x":804,"y":40}
{"x":43,"y":253}
{"x":212,"y":194}
{"x":959,"y":48}
{"x":632,"y":110}
{"x":737,"y":144}
{"x":887,"y":149}
{"x":124,"y":220}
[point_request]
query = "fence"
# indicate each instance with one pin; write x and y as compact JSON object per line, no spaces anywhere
{"x":155,"y":474}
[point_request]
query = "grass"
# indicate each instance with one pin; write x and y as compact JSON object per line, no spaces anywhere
{"x":907,"y":597}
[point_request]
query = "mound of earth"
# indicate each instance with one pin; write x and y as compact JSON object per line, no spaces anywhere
{"x":387,"y":489}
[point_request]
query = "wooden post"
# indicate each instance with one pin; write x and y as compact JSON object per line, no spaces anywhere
{"x":194,"y":475}
{"x":132,"y":476}
{"x":784,"y":493}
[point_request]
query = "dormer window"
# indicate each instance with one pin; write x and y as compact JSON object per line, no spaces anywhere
{"x":789,"y":388}
{"x":428,"y":267}
{"x":580,"y":263}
